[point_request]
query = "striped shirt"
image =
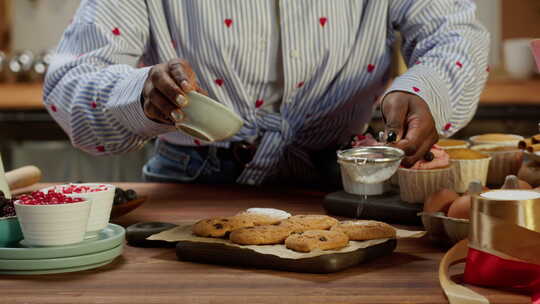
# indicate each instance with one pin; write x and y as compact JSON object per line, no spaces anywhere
{"x":336,"y":60}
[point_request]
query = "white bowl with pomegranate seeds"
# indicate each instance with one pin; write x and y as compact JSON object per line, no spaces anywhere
{"x":52,"y":219}
{"x":101,"y":197}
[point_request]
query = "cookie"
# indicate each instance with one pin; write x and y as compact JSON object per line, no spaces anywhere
{"x":301,"y":223}
{"x":277,"y":213}
{"x":365,"y":230}
{"x":257,"y":219}
{"x":260,"y":235}
{"x":219,"y":226}
{"x":316,"y":239}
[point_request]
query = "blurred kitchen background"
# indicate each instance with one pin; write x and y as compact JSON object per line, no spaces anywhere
{"x":30,"y":29}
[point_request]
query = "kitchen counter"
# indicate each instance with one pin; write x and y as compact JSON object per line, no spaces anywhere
{"x":153,"y":275}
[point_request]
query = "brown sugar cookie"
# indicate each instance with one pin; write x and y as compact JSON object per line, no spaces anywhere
{"x":365,"y":230}
{"x":260,"y":235}
{"x":301,"y":223}
{"x":257,"y":219}
{"x":219,"y":226}
{"x":316,"y":239}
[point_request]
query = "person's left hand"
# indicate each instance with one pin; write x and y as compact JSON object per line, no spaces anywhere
{"x":409,"y":117}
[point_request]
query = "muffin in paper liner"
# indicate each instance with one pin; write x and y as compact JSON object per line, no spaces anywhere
{"x":416,"y":185}
{"x":503,"y":163}
{"x":468,"y":170}
{"x":453,"y":144}
{"x":496,"y":139}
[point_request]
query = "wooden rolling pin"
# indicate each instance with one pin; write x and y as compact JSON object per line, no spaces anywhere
{"x":23,"y":177}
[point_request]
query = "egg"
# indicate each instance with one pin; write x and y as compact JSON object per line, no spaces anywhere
{"x":524,"y":185}
{"x":461,"y":207}
{"x":440,"y":201}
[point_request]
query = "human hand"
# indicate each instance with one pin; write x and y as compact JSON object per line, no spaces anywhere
{"x":165,"y":89}
{"x":408,"y":117}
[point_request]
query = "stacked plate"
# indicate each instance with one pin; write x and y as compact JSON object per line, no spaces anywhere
{"x":92,"y":253}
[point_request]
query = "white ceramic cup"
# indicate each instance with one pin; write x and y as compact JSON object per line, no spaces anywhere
{"x":208,"y":120}
{"x":101,"y":201}
{"x":518,"y":60}
{"x":53,"y":225}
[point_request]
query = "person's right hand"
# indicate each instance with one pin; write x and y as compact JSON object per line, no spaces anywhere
{"x":165,"y":89}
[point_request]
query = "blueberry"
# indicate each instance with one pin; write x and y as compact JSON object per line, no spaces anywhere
{"x":120,"y":200}
{"x":392,"y":136}
{"x":131,"y":194}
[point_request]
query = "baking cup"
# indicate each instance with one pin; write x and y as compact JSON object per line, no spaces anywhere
{"x":510,"y":140}
{"x":502,"y":164}
{"x":416,"y":185}
{"x":463,"y":145}
{"x":468,"y":170}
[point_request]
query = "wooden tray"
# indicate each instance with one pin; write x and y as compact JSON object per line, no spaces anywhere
{"x":215,"y":253}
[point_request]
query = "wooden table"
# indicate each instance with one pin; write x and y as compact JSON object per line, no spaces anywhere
{"x":153,"y":275}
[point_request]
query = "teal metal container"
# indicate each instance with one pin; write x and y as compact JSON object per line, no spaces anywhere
{"x":10,"y":231}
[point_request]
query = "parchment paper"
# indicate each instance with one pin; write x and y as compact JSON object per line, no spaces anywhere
{"x":183,"y":233}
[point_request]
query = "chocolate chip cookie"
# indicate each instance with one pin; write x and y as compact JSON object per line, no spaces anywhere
{"x":316,"y":239}
{"x":301,"y":223}
{"x":257,"y":219}
{"x":365,"y":230}
{"x":219,"y":226}
{"x":260,"y":235}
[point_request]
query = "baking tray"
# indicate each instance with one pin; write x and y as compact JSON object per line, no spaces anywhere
{"x":190,"y":247}
{"x":215,"y":253}
{"x":387,"y":207}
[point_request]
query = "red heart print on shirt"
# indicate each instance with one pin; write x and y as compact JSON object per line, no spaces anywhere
{"x":197,"y":142}
{"x":259,"y":103}
{"x":116,"y":31}
{"x":53,"y":108}
{"x":228,"y":22}
{"x":219,"y":82}
{"x":459,"y":64}
{"x":416,"y":89}
{"x":323,"y":21}
{"x":370,"y":68}
{"x":100,"y":148}
{"x":447,"y":126}
{"x":94,"y":104}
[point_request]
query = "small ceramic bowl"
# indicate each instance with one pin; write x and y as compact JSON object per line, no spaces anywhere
{"x":101,"y":204}
{"x":208,"y":120}
{"x":10,"y":231}
{"x":53,"y":225}
{"x":444,"y":229}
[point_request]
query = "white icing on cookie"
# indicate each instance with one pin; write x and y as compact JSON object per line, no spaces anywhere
{"x":275,"y":213}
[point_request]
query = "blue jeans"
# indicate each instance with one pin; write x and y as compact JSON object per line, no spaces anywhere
{"x":178,"y":164}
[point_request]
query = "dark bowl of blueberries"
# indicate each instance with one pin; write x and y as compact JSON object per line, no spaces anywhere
{"x":125,"y":201}
{"x":10,"y":230}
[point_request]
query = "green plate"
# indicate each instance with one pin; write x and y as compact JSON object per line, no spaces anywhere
{"x":110,"y":237}
{"x":60,"y":264}
{"x":50,"y":271}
